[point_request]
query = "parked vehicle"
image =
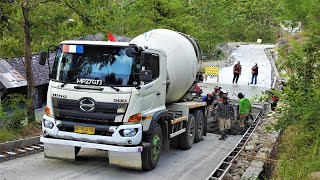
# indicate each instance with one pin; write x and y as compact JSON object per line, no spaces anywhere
{"x":129,"y":98}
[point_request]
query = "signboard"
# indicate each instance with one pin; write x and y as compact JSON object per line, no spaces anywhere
{"x":212,"y":70}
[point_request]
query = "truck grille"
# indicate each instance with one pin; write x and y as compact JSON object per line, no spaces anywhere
{"x":69,"y":110}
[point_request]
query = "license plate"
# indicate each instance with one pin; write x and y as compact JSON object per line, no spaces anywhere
{"x":84,"y":130}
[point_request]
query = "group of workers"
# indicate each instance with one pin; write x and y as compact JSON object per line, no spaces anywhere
{"x":219,"y":100}
{"x":237,"y":68}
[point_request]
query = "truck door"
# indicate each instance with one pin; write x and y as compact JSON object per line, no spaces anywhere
{"x":154,"y":94}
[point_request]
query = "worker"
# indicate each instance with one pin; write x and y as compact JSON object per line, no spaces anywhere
{"x":225,"y":113}
{"x":244,"y":111}
{"x":216,"y":91}
{"x":236,"y":72}
{"x":208,"y":99}
{"x":198,"y":90}
{"x":254,"y":71}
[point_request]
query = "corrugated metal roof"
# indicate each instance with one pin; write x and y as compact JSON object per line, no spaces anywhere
{"x":40,"y":73}
{"x":9,"y":77}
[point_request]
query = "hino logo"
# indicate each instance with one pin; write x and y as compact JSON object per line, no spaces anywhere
{"x":87,"y":105}
{"x":89,"y":81}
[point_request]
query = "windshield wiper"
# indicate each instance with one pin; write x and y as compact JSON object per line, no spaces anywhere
{"x":70,"y":80}
{"x":115,"y":88}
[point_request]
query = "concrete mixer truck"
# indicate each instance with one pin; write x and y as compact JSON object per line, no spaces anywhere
{"x":132,"y":99}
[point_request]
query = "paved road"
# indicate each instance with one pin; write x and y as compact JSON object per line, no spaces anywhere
{"x":247,"y":54}
{"x":196,"y":163}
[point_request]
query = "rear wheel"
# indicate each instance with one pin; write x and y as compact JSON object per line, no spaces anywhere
{"x":151,"y":155}
{"x":187,"y":138}
{"x":199,"y":125}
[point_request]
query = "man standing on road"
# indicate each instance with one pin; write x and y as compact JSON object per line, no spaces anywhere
{"x":225,"y":114}
{"x":244,"y":110}
{"x":254,"y":71}
{"x":236,"y":72}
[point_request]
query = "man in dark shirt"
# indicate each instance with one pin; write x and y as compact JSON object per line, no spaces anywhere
{"x":225,"y":114}
{"x":254,"y":71}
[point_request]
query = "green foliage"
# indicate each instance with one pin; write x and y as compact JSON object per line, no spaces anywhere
{"x":300,"y":153}
{"x":306,"y":11}
{"x":302,"y":94}
{"x":13,"y":112}
{"x":6,"y":135}
{"x":211,"y":21}
{"x":299,"y":112}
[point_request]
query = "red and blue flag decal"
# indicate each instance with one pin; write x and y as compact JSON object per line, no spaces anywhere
{"x":73,"y":48}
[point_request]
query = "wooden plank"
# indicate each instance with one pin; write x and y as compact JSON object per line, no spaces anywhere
{"x":183,"y":118}
{"x":196,"y":105}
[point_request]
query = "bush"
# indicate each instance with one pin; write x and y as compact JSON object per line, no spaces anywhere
{"x":6,"y":135}
{"x":13,"y":112}
{"x":300,"y":115}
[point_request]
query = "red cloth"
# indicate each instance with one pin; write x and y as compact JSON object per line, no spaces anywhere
{"x":111,"y":37}
{"x":275,"y":98}
{"x":197,"y":88}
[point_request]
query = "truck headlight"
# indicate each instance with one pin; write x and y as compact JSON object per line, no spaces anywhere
{"x":58,"y":123}
{"x":128,"y":132}
{"x":47,"y":124}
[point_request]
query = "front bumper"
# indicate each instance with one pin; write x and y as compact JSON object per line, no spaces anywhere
{"x":115,"y":148}
{"x":89,"y":140}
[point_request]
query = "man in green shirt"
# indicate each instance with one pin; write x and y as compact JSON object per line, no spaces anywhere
{"x":244,"y":110}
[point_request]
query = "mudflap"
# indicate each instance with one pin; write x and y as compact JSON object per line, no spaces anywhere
{"x":57,"y":151}
{"x":131,"y":160}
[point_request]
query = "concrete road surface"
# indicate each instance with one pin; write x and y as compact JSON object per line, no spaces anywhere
{"x":248,"y":55}
{"x":196,"y":163}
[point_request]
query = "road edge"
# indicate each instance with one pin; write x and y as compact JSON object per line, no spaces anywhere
{"x":6,"y":146}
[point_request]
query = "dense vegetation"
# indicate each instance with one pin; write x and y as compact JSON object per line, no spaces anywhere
{"x":300,"y":113}
{"x":211,"y":22}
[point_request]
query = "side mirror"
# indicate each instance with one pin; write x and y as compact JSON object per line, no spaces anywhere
{"x":131,"y":52}
{"x":145,"y":75}
{"x":146,"y":59}
{"x":43,"y":57}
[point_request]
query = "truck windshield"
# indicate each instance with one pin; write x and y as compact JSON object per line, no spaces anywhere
{"x":95,"y":65}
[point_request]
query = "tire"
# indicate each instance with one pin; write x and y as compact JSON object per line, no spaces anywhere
{"x":199,"y":125}
{"x":187,"y":138}
{"x":151,"y":155}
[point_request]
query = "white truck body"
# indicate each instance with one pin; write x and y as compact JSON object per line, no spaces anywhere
{"x":127,"y":98}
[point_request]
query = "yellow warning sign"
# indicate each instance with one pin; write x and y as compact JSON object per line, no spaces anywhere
{"x":212,"y":70}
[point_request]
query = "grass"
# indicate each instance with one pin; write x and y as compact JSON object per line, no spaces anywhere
{"x":299,"y":153}
{"x":6,"y":135}
{"x":28,"y":130}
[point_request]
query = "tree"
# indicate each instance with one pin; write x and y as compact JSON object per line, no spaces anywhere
{"x":25,"y":6}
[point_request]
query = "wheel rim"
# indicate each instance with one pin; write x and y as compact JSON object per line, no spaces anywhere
{"x":200,"y":129}
{"x":191,"y":131}
{"x":156,"y":147}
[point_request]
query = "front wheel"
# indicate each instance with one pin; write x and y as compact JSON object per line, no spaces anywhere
{"x":151,"y":155}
